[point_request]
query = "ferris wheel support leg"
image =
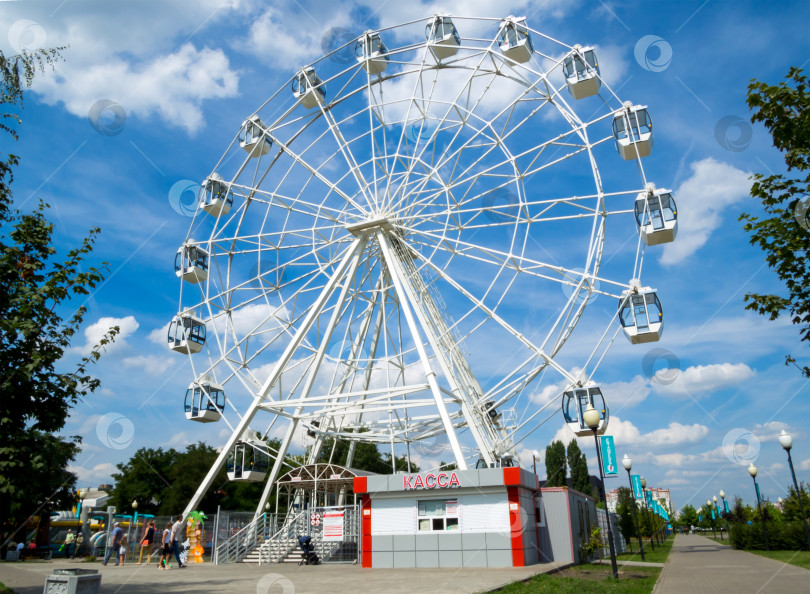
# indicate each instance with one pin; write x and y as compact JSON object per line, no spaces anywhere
{"x":351,"y":255}
{"x":313,"y":370}
{"x":430,"y":375}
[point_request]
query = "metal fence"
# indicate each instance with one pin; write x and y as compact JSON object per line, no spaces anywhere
{"x":336,"y":532}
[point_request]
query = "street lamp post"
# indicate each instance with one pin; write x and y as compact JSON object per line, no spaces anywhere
{"x":134,"y":505}
{"x":83,"y":525}
{"x":709,"y":505}
{"x":714,"y":498}
{"x":786,"y":442}
{"x":592,"y":419}
{"x":752,"y":470}
{"x":628,"y":464}
{"x":647,"y":509}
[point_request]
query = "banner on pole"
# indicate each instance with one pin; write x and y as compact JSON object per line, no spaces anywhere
{"x":610,"y":466}
{"x":635,"y":479}
{"x":725,"y":504}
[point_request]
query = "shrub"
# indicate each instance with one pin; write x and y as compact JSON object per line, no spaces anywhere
{"x":782,"y":536}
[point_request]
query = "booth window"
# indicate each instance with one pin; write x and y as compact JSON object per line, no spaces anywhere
{"x":438,"y":515}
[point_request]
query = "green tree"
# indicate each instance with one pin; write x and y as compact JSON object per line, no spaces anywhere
{"x":578,"y":463}
{"x":625,"y":503}
{"x":783,"y":234}
{"x":556,"y":466}
{"x":790,"y":504}
{"x":367,"y":456}
{"x":37,"y":388}
{"x":689,"y":516}
{"x":163,"y":482}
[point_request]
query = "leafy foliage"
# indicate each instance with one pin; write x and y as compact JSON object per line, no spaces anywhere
{"x":783,"y":235}
{"x":366,"y":457}
{"x":689,"y":516}
{"x":790,"y":505}
{"x":624,"y":507}
{"x":786,"y":536}
{"x":163,"y":482}
{"x":36,"y":393}
{"x":578,"y":463}
{"x":556,"y":465}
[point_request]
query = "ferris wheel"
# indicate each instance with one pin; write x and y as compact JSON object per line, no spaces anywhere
{"x":395,"y":248}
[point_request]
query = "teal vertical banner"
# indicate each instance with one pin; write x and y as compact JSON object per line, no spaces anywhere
{"x":725,"y":504}
{"x":649,"y":498}
{"x":635,"y":479}
{"x":609,"y":464}
{"x":713,"y":516}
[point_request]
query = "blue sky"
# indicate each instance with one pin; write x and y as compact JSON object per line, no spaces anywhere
{"x":180,"y":81}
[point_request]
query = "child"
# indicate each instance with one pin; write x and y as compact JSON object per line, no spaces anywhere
{"x":123,"y":550}
{"x":167,"y":547}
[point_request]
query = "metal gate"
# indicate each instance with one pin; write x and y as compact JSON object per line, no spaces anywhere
{"x":335,"y":533}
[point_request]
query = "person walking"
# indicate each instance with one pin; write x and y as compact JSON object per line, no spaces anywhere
{"x":167,"y":547}
{"x":114,"y":547}
{"x":146,"y":542}
{"x":177,"y":530}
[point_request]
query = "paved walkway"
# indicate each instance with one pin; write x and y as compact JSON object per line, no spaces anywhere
{"x":284,"y":578}
{"x":697,"y":564}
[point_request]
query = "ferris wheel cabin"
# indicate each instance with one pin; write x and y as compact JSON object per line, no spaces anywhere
{"x":248,"y":461}
{"x":191,"y":263}
{"x":216,"y":196}
{"x":442,"y":37}
{"x":252,"y":137}
{"x":371,"y":53}
{"x":574,"y":403}
{"x":656,"y":216}
{"x":632,"y":129}
{"x":309,"y":88}
{"x":205,"y":402}
{"x":581,"y":69}
{"x":641,"y":315}
{"x":515,"y":41}
{"x":186,"y":334}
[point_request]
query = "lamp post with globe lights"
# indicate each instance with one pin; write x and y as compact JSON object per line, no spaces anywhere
{"x":725,"y":517}
{"x":592,"y":418}
{"x":628,"y":465}
{"x":711,"y":511}
{"x":714,"y":498}
{"x":752,"y":470}
{"x":646,"y":508}
{"x":786,"y":441}
{"x":84,"y":524}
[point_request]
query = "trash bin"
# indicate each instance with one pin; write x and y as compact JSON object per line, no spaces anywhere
{"x":73,"y":581}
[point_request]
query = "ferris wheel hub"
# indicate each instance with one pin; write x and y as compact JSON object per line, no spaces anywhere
{"x":369,"y":226}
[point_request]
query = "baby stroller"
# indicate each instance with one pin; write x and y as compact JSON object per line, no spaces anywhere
{"x":309,"y":556}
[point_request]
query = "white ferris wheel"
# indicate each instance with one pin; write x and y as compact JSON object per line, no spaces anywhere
{"x":380,"y":252}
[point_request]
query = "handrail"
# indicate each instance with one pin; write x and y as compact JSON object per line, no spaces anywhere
{"x":238,"y":546}
{"x":291,"y":524}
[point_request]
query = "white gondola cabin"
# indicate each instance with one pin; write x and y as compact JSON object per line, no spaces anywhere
{"x":191,"y":263}
{"x":574,"y":402}
{"x":514,"y":39}
{"x":216,"y":196}
{"x":371,"y":53}
{"x":641,"y":315}
{"x":442,"y":37}
{"x":252,"y":137}
{"x":248,"y":461}
{"x":309,"y":88}
{"x":186,"y":334}
{"x":656,"y":216}
{"x":632,"y":129}
{"x":204,"y":402}
{"x":581,"y":70}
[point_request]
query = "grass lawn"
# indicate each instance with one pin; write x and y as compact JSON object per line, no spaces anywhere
{"x":659,"y":555}
{"x":589,"y":579}
{"x":4,"y":590}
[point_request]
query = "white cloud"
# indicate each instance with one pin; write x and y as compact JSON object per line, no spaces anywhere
{"x":99,"y":471}
{"x":699,"y":381}
{"x":151,"y":364}
{"x":626,"y":394}
{"x":804,"y":464}
{"x":94,"y":333}
{"x":179,"y":440}
{"x":172,"y":86}
{"x":625,"y":434}
{"x":702,"y":199}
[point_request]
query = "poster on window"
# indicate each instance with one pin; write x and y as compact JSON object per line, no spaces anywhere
{"x":333,"y":525}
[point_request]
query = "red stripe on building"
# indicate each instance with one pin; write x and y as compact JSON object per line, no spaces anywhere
{"x":366,"y":523}
{"x":517,"y":527}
